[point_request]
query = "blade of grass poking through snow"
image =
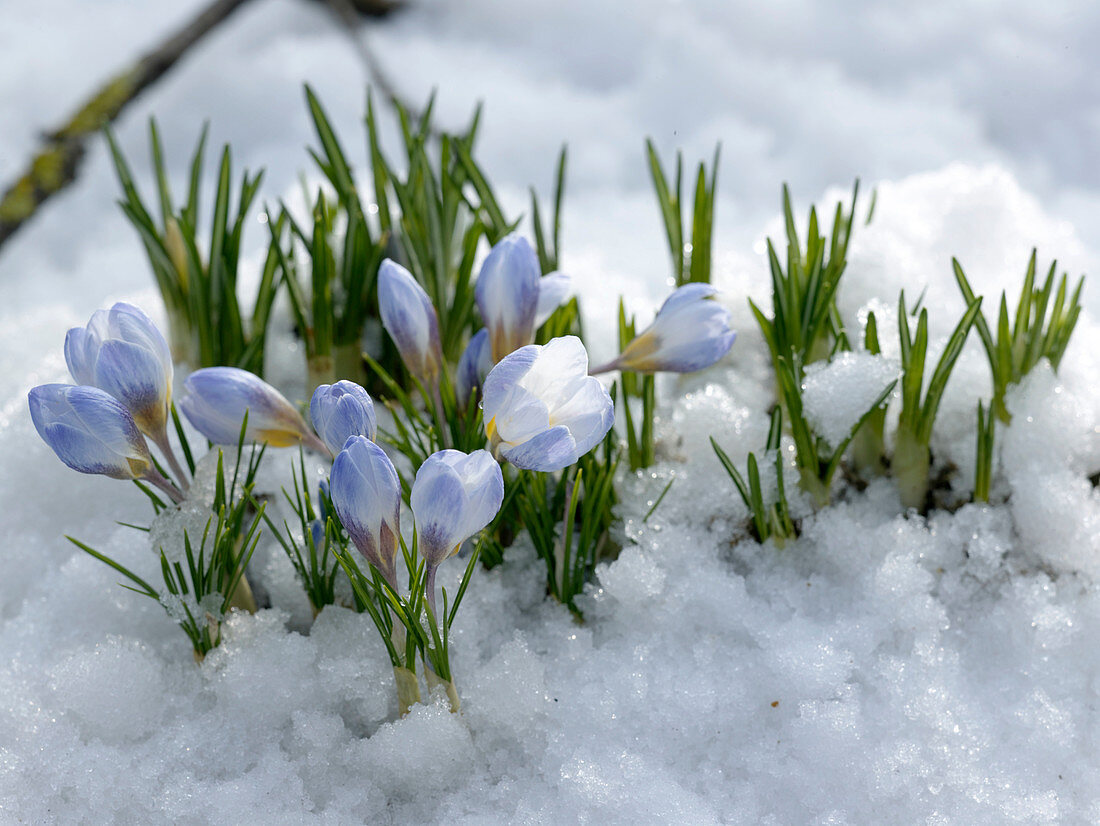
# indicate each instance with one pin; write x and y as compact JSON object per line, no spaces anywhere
{"x":912,"y":455}
{"x":983,"y":467}
{"x":805,"y":323}
{"x":199,"y":286}
{"x":691,"y":260}
{"x":1033,"y":335}
{"x":767,"y":521}
{"x":869,"y":444}
{"x":548,"y":241}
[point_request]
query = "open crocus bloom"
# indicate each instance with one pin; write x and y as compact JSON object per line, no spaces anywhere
{"x":366,"y":493}
{"x":122,"y":352}
{"x":410,"y":319}
{"x":690,"y":332}
{"x":89,"y":430}
{"x":217,"y":399}
{"x":542,"y":409}
{"x":342,"y":410}
{"x":454,"y":496}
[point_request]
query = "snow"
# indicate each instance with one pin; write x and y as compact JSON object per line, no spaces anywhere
{"x":837,"y":394}
{"x":881,"y":668}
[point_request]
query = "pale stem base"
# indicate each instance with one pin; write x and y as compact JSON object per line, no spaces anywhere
{"x":408,"y":688}
{"x":910,"y":467}
{"x":435,"y":680}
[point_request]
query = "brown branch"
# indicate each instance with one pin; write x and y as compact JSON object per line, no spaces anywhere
{"x":55,"y":165}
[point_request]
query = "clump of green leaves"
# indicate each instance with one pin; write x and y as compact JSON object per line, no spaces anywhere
{"x":919,"y":404}
{"x":208,"y":578}
{"x":344,"y":248}
{"x":408,"y":626}
{"x":1040,"y":329}
{"x":691,"y":259}
{"x":770,"y":519}
{"x":805,"y":325}
{"x":199,"y":286}
{"x":581,"y":501}
{"x":314,"y":555}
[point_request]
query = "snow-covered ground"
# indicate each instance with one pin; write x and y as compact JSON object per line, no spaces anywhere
{"x":882,"y":669}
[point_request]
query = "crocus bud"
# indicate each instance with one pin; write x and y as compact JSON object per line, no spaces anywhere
{"x":542,"y":409}
{"x":690,"y":332}
{"x":340,"y":411}
{"x":554,"y":289}
{"x":366,"y":493}
{"x":89,"y":430}
{"x":217,"y":399}
{"x":473,"y":367}
{"x":507,"y":294}
{"x":454,"y":496}
{"x":122,"y":352}
{"x":410,"y":319}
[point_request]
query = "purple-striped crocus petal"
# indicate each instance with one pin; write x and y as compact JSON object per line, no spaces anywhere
{"x":538,"y":389}
{"x":89,"y":430}
{"x":410,"y":319}
{"x":507,"y":294}
{"x":121,"y":351}
{"x":366,"y":493}
{"x":342,"y":410}
{"x":216,"y":401}
{"x":473,"y":366}
{"x":554,"y":288}
{"x":454,"y":496}
{"x":691,"y":332}
{"x":134,"y":376}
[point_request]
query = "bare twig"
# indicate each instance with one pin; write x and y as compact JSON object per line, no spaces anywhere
{"x":56,"y":164}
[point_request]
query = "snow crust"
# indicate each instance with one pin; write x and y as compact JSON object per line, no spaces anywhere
{"x":882,"y":668}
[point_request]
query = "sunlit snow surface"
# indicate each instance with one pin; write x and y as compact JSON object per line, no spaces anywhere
{"x":882,"y":669}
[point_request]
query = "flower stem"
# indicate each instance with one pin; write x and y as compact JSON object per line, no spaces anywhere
{"x":161,"y":441}
{"x":158,"y":481}
{"x":408,"y":688}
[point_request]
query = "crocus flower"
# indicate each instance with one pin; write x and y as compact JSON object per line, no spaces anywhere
{"x":217,"y":399}
{"x":690,"y":332}
{"x":410,"y":319}
{"x":122,"y":352}
{"x":454,"y":496}
{"x":366,"y":493}
{"x":342,"y":410}
{"x":542,"y":409}
{"x":473,"y":367}
{"x":92,"y":432}
{"x":507,"y":294}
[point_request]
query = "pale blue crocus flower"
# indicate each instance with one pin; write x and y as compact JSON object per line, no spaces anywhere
{"x":691,"y":332}
{"x":341,"y":410}
{"x":473,"y":366}
{"x":122,"y":352}
{"x":507,"y":294}
{"x":411,"y":320}
{"x":217,"y":399}
{"x":454,"y":496}
{"x":542,"y":410}
{"x":92,"y":432}
{"x":366,"y":493}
